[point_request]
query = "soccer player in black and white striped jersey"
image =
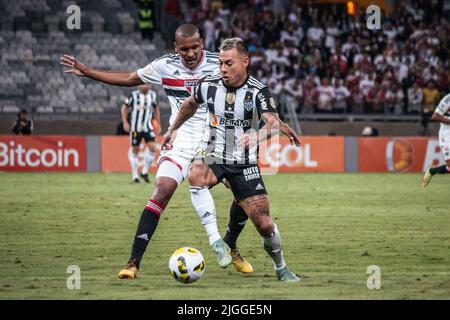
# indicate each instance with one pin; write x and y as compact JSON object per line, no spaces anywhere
{"x":236,"y":102}
{"x":143,"y":107}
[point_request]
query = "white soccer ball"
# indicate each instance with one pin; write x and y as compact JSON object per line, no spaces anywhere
{"x":186,"y":265}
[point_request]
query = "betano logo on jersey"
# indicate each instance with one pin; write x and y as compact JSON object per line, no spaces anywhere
{"x":215,"y":121}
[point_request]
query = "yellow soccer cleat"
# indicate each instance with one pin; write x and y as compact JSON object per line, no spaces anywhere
{"x":129,"y":272}
{"x":426,"y":178}
{"x":240,"y":263}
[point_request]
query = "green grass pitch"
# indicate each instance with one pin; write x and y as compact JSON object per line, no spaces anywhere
{"x":333,"y":226}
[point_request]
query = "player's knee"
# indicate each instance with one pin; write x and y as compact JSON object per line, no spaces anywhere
{"x":163,"y":191}
{"x":263,"y":224}
{"x":197,"y":176}
{"x":266,"y":227}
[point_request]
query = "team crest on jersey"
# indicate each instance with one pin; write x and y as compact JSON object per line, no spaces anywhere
{"x":248,"y":105}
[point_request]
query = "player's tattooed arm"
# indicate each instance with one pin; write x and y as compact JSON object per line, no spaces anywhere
{"x":186,"y":111}
{"x":273,"y":124}
{"x":115,"y":78}
{"x":440,"y":118}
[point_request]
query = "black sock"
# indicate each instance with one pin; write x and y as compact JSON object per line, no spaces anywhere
{"x":441,"y":170}
{"x":238,"y":218}
{"x":145,"y":230}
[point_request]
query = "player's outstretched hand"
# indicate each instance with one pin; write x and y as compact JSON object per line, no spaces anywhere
{"x":291,"y":134}
{"x":168,"y":140}
{"x":75,"y":66}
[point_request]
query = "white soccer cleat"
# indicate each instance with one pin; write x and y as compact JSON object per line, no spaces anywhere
{"x":222,"y":252}
{"x":426,"y":178}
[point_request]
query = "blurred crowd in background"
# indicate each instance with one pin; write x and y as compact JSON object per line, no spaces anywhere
{"x":325,"y":60}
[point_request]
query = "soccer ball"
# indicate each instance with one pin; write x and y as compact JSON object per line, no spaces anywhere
{"x":186,"y":265}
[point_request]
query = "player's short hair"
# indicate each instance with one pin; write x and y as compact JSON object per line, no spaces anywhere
{"x":232,"y":43}
{"x":187,"y":30}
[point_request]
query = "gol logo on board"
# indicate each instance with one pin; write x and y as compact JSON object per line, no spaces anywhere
{"x":399,"y":155}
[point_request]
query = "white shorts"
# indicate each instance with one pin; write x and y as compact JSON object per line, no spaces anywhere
{"x":444,"y":143}
{"x":445,"y":147}
{"x":175,"y":163}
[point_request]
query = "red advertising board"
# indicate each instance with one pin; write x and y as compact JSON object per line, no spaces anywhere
{"x":42,"y":153}
{"x":398,"y":154}
{"x":316,"y":154}
{"x":115,"y":151}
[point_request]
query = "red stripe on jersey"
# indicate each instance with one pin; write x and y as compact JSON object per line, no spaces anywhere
{"x":173,"y":82}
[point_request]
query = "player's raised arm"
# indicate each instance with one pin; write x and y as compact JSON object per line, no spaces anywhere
{"x":187,"y":110}
{"x":116,"y":78}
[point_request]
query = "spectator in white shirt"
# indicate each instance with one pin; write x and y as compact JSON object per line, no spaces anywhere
{"x":315,"y":34}
{"x":325,"y":96}
{"x":341,"y":94}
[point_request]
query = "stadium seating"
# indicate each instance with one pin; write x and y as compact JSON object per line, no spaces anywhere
{"x":34,"y":36}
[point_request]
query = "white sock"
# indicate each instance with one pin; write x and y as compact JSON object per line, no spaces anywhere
{"x":148,"y":159}
{"x":134,"y":165}
{"x":204,"y":207}
{"x":272,"y":245}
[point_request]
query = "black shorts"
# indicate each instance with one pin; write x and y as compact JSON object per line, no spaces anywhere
{"x":136,"y":137}
{"x":245,"y":180}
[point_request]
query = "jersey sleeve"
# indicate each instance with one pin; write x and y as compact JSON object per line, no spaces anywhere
{"x":198,"y":96}
{"x":265,"y":101}
{"x":443,"y":106}
{"x":151,"y":73}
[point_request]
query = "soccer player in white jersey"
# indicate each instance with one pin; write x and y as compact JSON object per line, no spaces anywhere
{"x":142,"y":104}
{"x":235,"y":100}
{"x":441,"y":114}
{"x":178,"y":74}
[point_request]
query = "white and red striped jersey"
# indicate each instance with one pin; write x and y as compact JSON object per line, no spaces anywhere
{"x":443,"y":108}
{"x":179,"y":82}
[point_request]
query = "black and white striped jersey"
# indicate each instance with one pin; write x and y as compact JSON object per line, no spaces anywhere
{"x":233,"y":111}
{"x":141,"y":110}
